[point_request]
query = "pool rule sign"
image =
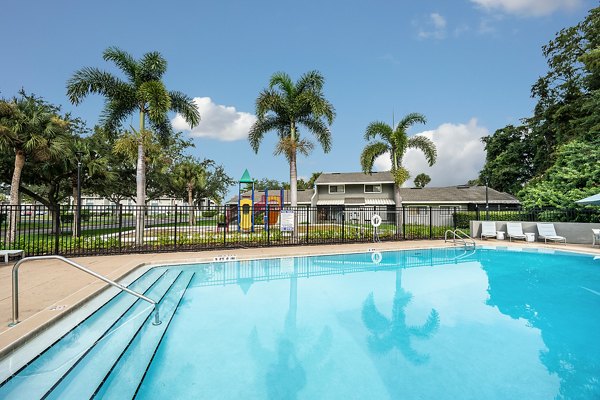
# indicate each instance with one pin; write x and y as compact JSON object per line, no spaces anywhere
{"x":287,"y":221}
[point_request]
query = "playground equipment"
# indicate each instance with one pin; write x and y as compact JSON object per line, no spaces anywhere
{"x":247,"y":207}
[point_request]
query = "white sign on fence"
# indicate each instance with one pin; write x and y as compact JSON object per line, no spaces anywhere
{"x":287,"y":221}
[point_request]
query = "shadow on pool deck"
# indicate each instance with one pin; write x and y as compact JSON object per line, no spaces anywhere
{"x":50,"y":289}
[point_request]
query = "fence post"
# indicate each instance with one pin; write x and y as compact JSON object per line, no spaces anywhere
{"x":307,"y":222}
{"x":267,"y":222}
{"x":430,"y":222}
{"x":454,"y":217}
{"x":403,"y":222}
{"x":56,"y":230}
{"x":226,"y":225}
{"x":175,"y":233}
{"x":477,"y":213}
{"x":343,"y":225}
{"x":120,"y":227}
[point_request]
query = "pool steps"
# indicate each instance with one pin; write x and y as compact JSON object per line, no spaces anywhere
{"x":124,"y":378}
{"x":89,"y":368}
{"x":102,"y":341}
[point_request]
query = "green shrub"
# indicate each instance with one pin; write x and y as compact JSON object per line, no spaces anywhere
{"x":209,"y":213}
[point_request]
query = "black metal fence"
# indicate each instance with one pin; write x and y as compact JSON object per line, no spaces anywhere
{"x":40,"y":230}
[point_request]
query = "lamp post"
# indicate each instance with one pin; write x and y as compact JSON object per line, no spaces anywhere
{"x":78,"y":222}
{"x":487,"y":205}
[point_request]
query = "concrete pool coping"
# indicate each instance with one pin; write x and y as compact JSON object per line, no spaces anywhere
{"x":50,"y":290}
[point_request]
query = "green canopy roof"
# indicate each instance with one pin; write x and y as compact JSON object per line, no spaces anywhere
{"x":246,"y":177}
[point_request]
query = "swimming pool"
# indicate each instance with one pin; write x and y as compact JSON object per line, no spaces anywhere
{"x":430,"y":324}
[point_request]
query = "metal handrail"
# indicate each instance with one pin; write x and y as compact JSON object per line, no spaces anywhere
{"x":457,"y":234}
{"x":15,"y":285}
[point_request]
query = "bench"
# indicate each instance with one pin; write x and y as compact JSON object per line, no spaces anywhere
{"x":7,"y":253}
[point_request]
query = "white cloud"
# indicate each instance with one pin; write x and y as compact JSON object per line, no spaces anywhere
{"x":461,"y":155}
{"x":217,"y":122}
{"x":534,"y":8}
{"x":434,"y":27}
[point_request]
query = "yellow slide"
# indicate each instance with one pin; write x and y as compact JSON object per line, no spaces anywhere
{"x":246,"y":214}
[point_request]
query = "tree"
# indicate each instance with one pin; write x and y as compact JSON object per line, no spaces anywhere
{"x":265,"y":183}
{"x":313,"y":179}
{"x":32,"y":129}
{"x":509,"y":159}
{"x":422,"y":180}
{"x":523,"y":159}
{"x":285,"y":106}
{"x":574,"y":175}
{"x":145,"y":93}
{"x":190,"y":175}
{"x":395,"y":142}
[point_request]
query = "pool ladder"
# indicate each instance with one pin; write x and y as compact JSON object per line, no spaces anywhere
{"x":459,"y":236}
{"x":15,"y":285}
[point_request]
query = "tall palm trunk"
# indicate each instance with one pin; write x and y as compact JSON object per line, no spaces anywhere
{"x":191,"y":216}
{"x":293,"y":181}
{"x":13,"y":213}
{"x":398,"y":201}
{"x":140,"y":179}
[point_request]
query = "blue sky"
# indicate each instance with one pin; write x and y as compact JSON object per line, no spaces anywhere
{"x":467,"y":65}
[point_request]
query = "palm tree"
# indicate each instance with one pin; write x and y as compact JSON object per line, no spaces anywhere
{"x":144,"y":93}
{"x":32,"y":129}
{"x":395,"y":142}
{"x":283,"y":107}
{"x":192,"y":176}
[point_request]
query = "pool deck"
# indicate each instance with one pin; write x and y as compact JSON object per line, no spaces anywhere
{"x":49,"y":289}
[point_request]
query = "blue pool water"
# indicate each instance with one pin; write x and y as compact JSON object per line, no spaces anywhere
{"x":419,"y":324}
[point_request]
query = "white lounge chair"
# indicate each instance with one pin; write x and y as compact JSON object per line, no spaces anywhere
{"x":595,"y":237}
{"x":514,"y":230}
{"x":488,"y":229}
{"x":547,"y":232}
{"x":7,"y":253}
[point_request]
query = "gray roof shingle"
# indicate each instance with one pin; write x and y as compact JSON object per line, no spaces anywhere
{"x":354,"y":177}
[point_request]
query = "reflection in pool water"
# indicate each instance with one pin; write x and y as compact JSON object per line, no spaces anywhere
{"x":429,"y":324}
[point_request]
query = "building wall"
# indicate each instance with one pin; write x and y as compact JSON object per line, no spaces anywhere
{"x":355,"y":190}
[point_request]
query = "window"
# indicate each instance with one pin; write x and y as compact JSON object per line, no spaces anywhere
{"x":372,"y":188}
{"x":334,"y":189}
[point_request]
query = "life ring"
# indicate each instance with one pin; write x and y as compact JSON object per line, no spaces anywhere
{"x":376,"y":220}
{"x":376,"y":257}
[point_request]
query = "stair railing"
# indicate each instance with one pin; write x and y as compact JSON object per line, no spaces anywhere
{"x":15,"y":285}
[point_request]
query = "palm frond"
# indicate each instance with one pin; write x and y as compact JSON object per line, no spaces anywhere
{"x":370,"y":153}
{"x":184,"y":105}
{"x":123,"y":60}
{"x":270,"y":101}
{"x":258,"y":130}
{"x":410,"y":119}
{"x":310,"y":81}
{"x":426,"y":146}
{"x":163,"y":129}
{"x":92,"y":80}
{"x":156,"y":96}
{"x":152,"y":67}
{"x":283,"y":81}
{"x":115,"y":112}
{"x":319,"y":130}
{"x":378,"y":128}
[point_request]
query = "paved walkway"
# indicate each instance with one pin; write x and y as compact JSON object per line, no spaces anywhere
{"x":48,"y":289}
